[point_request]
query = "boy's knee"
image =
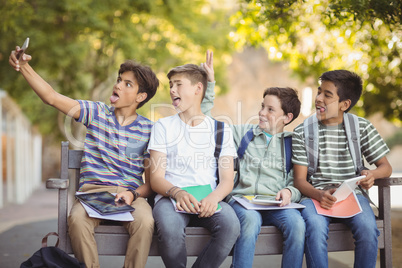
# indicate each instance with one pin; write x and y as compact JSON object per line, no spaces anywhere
{"x":298,"y":231}
{"x":250,"y":226}
{"x":231,"y":228}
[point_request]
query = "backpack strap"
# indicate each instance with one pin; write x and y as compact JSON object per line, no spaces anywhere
{"x":44,"y":239}
{"x":218,"y":145}
{"x":351,"y":124}
{"x":287,"y":151}
{"x":310,"y":126}
{"x":245,"y":141}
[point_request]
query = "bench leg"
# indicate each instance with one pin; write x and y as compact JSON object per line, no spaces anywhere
{"x":384,"y":213}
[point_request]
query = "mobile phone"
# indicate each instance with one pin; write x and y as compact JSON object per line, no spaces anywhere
{"x":265,"y":199}
{"x":23,"y":48}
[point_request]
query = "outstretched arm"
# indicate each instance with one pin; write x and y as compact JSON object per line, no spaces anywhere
{"x":47,"y":94}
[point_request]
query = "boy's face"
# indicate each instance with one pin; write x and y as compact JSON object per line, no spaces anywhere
{"x":125,"y":91}
{"x":183,"y":94}
{"x":329,"y":108}
{"x":272,"y":118}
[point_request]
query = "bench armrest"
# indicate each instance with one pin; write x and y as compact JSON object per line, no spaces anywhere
{"x":388,"y":181}
{"x":55,"y":183}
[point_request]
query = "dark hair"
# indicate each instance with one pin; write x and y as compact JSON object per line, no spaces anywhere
{"x":193,"y":72}
{"x":146,"y":78}
{"x":348,"y":85}
{"x":290,"y":102}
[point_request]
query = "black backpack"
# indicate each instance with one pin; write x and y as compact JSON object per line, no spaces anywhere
{"x":51,"y":257}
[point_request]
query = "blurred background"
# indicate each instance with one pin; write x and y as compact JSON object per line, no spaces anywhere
{"x":78,"y":46}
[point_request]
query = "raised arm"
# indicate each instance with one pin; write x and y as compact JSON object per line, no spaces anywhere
{"x":208,"y":101}
{"x":47,"y":94}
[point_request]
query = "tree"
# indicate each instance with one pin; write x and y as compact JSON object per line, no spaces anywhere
{"x":317,"y":36}
{"x":77,"y":46}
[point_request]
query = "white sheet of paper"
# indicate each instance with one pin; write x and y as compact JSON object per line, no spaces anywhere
{"x":249,"y":205}
{"x":124,"y":216}
{"x":346,"y":188}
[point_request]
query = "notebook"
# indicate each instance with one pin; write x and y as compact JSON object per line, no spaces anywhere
{"x":103,"y":203}
{"x":199,"y":192}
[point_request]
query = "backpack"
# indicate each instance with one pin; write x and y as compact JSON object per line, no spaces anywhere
{"x":51,"y":257}
{"x":286,"y":149}
{"x":351,"y":125}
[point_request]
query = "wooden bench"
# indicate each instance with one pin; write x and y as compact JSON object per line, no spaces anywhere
{"x":112,"y":239}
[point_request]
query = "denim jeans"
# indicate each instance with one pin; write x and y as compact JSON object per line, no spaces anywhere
{"x":363,"y":226}
{"x":288,"y":221}
{"x":224,"y":227}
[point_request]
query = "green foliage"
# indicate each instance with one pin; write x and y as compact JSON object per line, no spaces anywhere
{"x":78,"y":45}
{"x":317,"y":36}
{"x":389,"y":11}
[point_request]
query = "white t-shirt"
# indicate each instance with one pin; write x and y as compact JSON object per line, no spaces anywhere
{"x":189,"y":150}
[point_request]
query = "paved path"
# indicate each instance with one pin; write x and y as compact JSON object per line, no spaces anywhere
{"x":22,"y":228}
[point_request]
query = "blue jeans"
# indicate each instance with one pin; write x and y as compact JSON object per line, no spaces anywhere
{"x":363,"y":226}
{"x":288,"y":221}
{"x":224,"y":227}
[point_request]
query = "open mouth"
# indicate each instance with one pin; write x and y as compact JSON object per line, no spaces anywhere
{"x":176,"y":101}
{"x":114,"y":97}
{"x":320,"y":109}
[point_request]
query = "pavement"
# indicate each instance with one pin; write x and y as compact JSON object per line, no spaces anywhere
{"x":22,"y":228}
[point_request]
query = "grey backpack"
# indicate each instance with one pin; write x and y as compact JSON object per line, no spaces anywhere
{"x":351,"y":123}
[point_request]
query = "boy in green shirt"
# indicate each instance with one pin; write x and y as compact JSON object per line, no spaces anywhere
{"x":338,"y":93}
{"x":263,"y":170}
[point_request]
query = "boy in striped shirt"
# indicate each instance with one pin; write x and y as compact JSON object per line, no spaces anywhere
{"x":338,"y":93}
{"x":115,"y":154}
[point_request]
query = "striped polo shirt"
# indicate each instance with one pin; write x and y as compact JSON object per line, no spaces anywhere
{"x":113,"y":154}
{"x":335,"y":162}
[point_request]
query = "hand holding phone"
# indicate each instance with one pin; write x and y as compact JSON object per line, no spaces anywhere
{"x":23,"y":48}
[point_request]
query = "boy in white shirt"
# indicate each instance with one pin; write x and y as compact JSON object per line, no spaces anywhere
{"x":182,"y":154}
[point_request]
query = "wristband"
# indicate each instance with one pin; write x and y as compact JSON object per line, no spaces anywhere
{"x":170,"y":191}
{"x":181,"y":190}
{"x":134,"y":193}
